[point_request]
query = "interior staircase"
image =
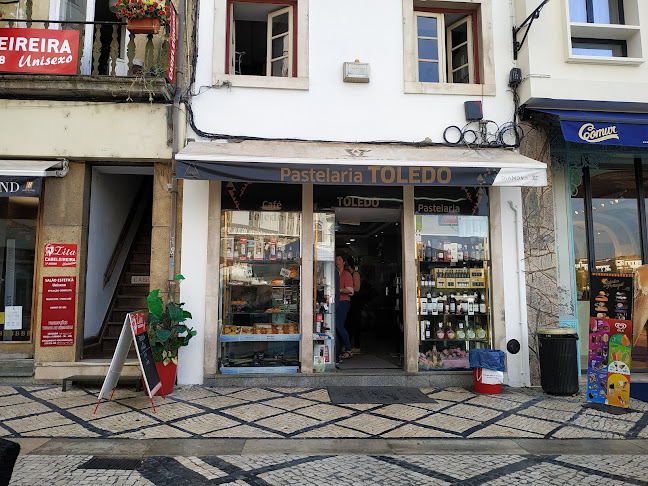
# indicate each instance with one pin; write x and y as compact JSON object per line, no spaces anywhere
{"x":130,"y":295}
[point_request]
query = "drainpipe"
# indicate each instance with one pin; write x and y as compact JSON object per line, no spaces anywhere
{"x":176,"y":141}
{"x":524,"y":334}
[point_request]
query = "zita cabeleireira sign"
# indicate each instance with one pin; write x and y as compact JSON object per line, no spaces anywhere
{"x":610,"y":339}
{"x":39,"y":51}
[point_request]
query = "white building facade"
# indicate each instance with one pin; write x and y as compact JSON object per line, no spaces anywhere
{"x":356,"y":121}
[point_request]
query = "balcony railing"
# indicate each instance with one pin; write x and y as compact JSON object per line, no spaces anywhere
{"x":108,"y":49}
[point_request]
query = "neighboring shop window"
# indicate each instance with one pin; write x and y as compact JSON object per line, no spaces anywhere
{"x":18,"y":216}
{"x":260,"y":278}
{"x":452,"y":236}
{"x":614,"y":235}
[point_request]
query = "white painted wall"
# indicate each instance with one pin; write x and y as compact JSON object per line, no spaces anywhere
{"x":545,"y":53}
{"x":195,"y":205}
{"x":339,"y":31}
{"x":111,"y":197}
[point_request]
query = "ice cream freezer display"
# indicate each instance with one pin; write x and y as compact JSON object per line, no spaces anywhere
{"x":260,"y":311}
{"x":453,"y":294}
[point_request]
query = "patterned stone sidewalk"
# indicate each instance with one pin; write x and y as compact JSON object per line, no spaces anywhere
{"x":199,"y":412}
{"x":281,"y":469}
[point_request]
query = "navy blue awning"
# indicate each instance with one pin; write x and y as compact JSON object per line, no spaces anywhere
{"x":603,"y":127}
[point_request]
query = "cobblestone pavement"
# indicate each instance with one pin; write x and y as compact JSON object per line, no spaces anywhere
{"x":204,"y":412}
{"x":282,"y":469}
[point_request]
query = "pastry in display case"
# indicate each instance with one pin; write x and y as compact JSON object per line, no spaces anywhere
{"x":260,"y":288}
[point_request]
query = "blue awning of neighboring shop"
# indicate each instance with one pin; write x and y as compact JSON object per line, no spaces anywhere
{"x":603,"y":127}
{"x":351,"y":164}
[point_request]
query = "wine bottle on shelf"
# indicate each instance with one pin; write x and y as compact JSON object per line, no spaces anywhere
{"x":423,"y":283}
{"x":440,"y":252}
{"x":428,"y":332}
{"x":466,"y":254}
{"x":470,"y":332}
{"x":480,"y":333}
{"x":460,"y":253}
{"x":428,"y":252}
{"x":440,"y":303}
{"x":482,"y":304}
{"x":453,"y":304}
{"x":433,"y":304}
{"x":471,"y":306}
{"x":461,"y":333}
{"x":440,"y":333}
{"x":446,"y":305}
{"x":450,"y":332}
{"x":423,"y":330}
{"x":431,"y":280}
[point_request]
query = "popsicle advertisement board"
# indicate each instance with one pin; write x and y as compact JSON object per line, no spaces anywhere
{"x":610,"y":339}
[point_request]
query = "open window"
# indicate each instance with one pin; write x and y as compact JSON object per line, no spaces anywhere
{"x":446,"y":47}
{"x":262,"y":39}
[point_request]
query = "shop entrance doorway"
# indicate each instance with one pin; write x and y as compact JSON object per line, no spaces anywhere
{"x":371,"y":237}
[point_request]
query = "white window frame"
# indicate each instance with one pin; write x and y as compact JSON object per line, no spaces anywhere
{"x":440,"y":45}
{"x":299,"y":82}
{"x":287,"y":54}
{"x":486,"y":87}
{"x":630,"y":31}
{"x":470,"y":44}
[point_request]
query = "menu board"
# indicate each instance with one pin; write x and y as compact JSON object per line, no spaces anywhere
{"x":610,"y":339}
{"x":145,"y":353}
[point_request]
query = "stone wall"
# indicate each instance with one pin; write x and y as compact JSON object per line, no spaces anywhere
{"x":539,"y":249}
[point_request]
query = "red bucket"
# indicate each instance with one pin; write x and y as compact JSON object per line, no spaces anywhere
{"x":483,"y":387}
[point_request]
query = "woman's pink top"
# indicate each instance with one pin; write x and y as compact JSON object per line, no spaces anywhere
{"x":346,"y":280}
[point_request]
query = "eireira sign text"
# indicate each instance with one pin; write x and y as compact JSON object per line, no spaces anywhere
{"x":45,"y":51}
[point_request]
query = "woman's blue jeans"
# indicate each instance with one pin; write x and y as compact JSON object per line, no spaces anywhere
{"x":341,"y":334}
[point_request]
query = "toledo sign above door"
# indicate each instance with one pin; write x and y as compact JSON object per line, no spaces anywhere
{"x":39,"y":51}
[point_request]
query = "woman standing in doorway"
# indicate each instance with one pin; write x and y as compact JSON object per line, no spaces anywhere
{"x":343,"y":291}
{"x":354,"y":317}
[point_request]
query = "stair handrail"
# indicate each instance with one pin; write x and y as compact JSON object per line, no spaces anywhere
{"x":142,"y":192}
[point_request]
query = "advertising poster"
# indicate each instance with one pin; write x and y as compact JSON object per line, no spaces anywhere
{"x":610,"y":336}
{"x":58,"y":311}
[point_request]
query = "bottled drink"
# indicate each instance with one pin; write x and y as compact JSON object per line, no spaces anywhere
{"x":433,"y":305}
{"x":466,"y":254}
{"x":428,"y":252}
{"x":461,"y":333}
{"x":480,"y":333}
{"x":423,"y":283}
{"x":482,"y":304}
{"x":440,"y":303}
{"x":449,"y":332}
{"x":440,"y":333}
{"x":471,"y":306}
{"x":446,"y":306}
{"x":440,"y":253}
{"x":460,"y":253}
{"x":470,"y":333}
{"x":431,"y":281}
{"x":427,"y":330}
{"x":424,"y":306}
{"x":453,"y":304}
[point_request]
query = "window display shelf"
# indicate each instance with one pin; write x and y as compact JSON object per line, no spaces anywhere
{"x":225,"y":338}
{"x":484,"y":340}
{"x":267,"y":284}
{"x":295,"y":261}
{"x":262,"y":313}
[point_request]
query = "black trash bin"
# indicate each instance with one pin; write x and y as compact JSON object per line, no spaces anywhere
{"x":8,"y":454}
{"x":558,"y":349}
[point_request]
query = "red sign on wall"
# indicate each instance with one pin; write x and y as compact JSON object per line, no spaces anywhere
{"x":59,"y":307}
{"x":56,"y":255}
{"x":45,"y":51}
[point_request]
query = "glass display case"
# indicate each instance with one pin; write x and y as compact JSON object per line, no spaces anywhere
{"x":324,"y":279}
{"x":453,"y":290}
{"x":260,"y":288}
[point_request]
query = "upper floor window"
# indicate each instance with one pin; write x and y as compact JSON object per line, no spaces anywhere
{"x":446,"y":46}
{"x":604,"y":31}
{"x":596,"y":11}
{"x":262,"y":38}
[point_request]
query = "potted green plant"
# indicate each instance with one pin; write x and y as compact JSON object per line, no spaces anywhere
{"x":143,"y":16}
{"x":167,"y":333}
